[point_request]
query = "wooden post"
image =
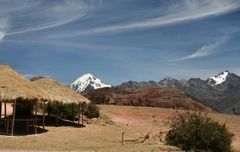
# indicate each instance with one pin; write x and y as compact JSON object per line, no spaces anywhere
{"x":82,"y":113}
{"x":48,"y":109}
{"x":35,"y":126}
{"x":5,"y":109}
{"x":72,"y":113}
{"x":27,"y":123}
{"x":13,"y":120}
{"x":57,"y":120}
{"x":122,"y":138}
{"x":0,"y":109}
{"x":58,"y":112}
{"x":5,"y":115}
{"x":7,"y":126}
{"x":43,"y":115}
{"x":79,"y":110}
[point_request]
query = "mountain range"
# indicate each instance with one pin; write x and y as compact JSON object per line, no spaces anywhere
{"x":220,"y":92}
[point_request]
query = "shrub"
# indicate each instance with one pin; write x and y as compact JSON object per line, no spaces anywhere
{"x":197,"y":132}
{"x":91,"y":111}
{"x":64,"y":110}
{"x":70,"y":110}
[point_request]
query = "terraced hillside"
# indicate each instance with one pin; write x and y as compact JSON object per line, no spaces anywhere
{"x":147,"y":96}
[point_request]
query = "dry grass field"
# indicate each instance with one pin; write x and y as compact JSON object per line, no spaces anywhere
{"x":143,"y":129}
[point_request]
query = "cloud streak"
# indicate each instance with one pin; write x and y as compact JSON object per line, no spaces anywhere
{"x":37,"y":16}
{"x":3,"y":28}
{"x":185,"y":10}
{"x":1,"y":35}
{"x":203,"y":51}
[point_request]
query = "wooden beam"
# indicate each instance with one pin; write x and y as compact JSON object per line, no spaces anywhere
{"x":43,"y":115}
{"x":59,"y":106}
{"x":57,"y":121}
{"x":79,"y":110}
{"x":48,"y":109}
{"x":0,"y":109}
{"x":5,"y":115}
{"x":13,"y":120}
{"x":5,"y":109}
{"x":35,"y":126}
{"x":7,"y":126}
{"x":27,"y":125}
{"x":82,"y":113}
{"x":72,"y":113}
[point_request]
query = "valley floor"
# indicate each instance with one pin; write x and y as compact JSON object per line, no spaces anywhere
{"x":143,"y":128}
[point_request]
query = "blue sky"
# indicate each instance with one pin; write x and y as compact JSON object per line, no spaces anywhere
{"x":120,"y":40}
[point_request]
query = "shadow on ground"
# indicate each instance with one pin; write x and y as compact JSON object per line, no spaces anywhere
{"x":23,"y":128}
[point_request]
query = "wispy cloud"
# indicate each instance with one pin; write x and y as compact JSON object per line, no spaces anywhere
{"x":30,"y":16}
{"x":1,"y":35}
{"x":203,"y":51}
{"x":37,"y":16}
{"x":3,"y":28}
{"x":185,"y":10}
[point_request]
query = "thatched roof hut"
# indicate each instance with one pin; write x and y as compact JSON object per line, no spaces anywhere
{"x":58,"y":91}
{"x":14,"y":86}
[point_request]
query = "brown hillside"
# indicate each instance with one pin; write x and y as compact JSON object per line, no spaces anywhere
{"x":150,"y":96}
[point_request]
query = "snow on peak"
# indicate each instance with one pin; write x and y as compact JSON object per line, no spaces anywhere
{"x":86,"y":82}
{"x":219,"y":79}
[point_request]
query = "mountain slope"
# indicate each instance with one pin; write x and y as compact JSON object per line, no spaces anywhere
{"x":148,"y":96}
{"x":166,"y":82}
{"x":135,"y":84}
{"x":221,"y":92}
{"x":87,"y":82}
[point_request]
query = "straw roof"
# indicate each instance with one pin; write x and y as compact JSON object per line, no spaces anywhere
{"x":14,"y":86}
{"x":58,"y":91}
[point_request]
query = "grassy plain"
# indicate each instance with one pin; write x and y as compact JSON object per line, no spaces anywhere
{"x":144,"y":129}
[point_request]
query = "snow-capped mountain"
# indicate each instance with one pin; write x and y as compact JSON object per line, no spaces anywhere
{"x":218,"y":79}
{"x":87,"y":82}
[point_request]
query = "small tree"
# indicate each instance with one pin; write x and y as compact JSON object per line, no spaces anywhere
{"x":91,"y":111}
{"x":197,"y":132}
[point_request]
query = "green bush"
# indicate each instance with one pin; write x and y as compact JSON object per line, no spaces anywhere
{"x":70,"y":110}
{"x":64,"y":110}
{"x":91,"y":111}
{"x":197,"y":132}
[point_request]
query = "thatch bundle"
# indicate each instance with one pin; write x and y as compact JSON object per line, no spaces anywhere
{"x":13,"y":86}
{"x":58,"y":91}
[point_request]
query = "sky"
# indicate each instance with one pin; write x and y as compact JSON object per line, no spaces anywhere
{"x":120,"y":40}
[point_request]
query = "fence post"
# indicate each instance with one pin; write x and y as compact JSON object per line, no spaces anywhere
{"x":122,"y":138}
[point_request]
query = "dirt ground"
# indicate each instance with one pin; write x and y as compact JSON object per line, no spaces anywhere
{"x":143,"y":129}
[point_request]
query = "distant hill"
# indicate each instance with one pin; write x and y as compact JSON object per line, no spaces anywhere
{"x":146,"y":96}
